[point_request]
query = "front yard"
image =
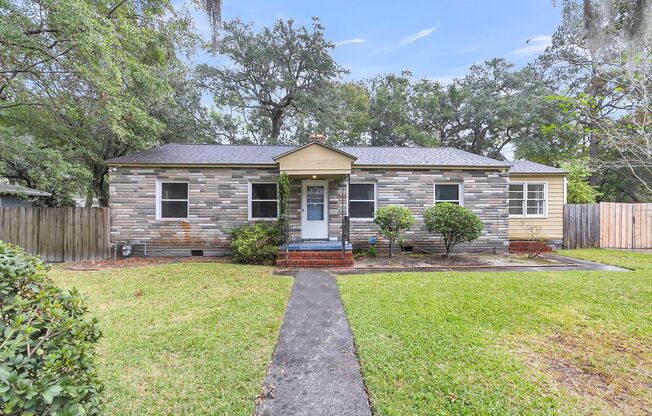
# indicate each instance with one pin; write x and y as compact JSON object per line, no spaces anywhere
{"x":184,"y":339}
{"x":506,"y":343}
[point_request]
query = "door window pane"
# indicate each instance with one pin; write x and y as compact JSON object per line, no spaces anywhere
{"x":315,"y":203}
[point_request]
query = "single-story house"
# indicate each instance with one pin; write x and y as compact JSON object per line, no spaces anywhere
{"x":184,"y":199}
{"x":12,"y":196}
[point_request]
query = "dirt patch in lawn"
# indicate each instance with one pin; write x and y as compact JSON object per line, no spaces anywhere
{"x":138,"y":262}
{"x":416,"y":260}
{"x":607,"y":373}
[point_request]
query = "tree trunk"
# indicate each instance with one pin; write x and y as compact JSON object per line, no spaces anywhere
{"x":100,"y":186}
{"x":391,"y":244}
{"x":277,"y":121}
{"x":89,"y":199}
{"x":594,"y":140}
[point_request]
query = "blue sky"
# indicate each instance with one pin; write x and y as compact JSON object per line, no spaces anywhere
{"x":433,"y":39}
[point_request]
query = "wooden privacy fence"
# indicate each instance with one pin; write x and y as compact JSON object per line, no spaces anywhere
{"x":58,"y":234}
{"x":608,"y":225}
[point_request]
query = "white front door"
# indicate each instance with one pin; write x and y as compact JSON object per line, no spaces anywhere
{"x":314,"y":210}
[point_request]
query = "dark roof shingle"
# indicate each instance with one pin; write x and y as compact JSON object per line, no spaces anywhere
{"x":9,"y":189}
{"x":525,"y":166}
{"x":189,"y":154}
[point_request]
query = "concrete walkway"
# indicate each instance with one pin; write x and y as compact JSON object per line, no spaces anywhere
{"x":314,"y":370}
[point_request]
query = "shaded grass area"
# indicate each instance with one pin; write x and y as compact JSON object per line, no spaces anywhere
{"x":505,"y":343}
{"x":190,"y":339}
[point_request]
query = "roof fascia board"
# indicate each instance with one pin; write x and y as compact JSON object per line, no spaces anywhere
{"x":296,"y":149}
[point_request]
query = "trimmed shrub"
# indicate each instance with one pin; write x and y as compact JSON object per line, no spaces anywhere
{"x":47,"y":342}
{"x":392,"y":219}
{"x":454,"y":222}
{"x":255,"y":244}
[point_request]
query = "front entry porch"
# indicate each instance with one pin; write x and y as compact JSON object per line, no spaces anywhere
{"x":315,"y":254}
{"x":318,"y":222}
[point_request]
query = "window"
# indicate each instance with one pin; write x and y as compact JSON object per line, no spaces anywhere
{"x":263,"y":201}
{"x":173,"y":200}
{"x":362,"y":200}
{"x":449,"y":192}
{"x":527,"y":199}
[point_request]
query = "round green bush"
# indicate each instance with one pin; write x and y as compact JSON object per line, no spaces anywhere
{"x":47,"y":343}
{"x":392,"y":219}
{"x":454,"y":222}
{"x":255,"y":244}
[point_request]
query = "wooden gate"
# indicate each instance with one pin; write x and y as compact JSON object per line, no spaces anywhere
{"x":58,"y":234}
{"x":581,"y":225}
{"x":608,"y":225}
{"x":626,"y":225}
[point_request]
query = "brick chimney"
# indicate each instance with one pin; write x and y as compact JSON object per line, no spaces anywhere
{"x":317,"y":137}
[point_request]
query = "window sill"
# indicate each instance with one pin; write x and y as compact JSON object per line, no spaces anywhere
{"x":173,"y":219}
{"x":361,"y":219}
{"x":263,"y":219}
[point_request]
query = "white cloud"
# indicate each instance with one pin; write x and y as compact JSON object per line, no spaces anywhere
{"x":415,"y":37}
{"x":469,"y":50}
{"x":535,"y":45}
{"x":350,"y":42}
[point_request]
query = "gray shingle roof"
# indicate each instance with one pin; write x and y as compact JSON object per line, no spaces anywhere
{"x":189,"y":154}
{"x":8,"y":189}
{"x":525,"y":166}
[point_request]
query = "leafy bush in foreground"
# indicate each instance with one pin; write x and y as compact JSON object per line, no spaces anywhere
{"x":46,"y":343}
{"x":255,"y":244}
{"x":392,"y":219}
{"x":455,"y":223}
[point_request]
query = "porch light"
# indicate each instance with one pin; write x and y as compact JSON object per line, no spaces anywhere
{"x":314,"y":176}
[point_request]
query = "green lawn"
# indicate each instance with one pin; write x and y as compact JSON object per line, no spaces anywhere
{"x":506,"y":343}
{"x":183,"y":339}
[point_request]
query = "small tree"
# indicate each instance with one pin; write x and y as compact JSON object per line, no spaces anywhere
{"x":391,"y":220}
{"x":579,"y":190}
{"x":455,"y":224}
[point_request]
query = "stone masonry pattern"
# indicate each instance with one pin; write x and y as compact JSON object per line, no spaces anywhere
{"x":219,"y":202}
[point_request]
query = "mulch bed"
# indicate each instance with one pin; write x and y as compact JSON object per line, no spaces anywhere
{"x":123,"y":263}
{"x":405,"y":260}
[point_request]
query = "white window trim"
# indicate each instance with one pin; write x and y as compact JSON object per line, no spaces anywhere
{"x":159,"y":194}
{"x":375,"y":200}
{"x":250,"y":201}
{"x":460,"y":192}
{"x":545,"y":199}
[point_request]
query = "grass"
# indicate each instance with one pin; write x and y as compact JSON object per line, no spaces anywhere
{"x":189,"y":339}
{"x":627,"y":259}
{"x":506,"y":343}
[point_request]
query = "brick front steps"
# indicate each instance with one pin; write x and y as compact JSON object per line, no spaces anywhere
{"x":315,"y":258}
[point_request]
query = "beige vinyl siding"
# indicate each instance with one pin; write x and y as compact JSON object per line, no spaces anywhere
{"x":315,"y":160}
{"x":552,"y":225}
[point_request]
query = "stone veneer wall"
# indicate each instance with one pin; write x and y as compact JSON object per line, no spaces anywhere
{"x":485,"y":194}
{"x":219,"y":202}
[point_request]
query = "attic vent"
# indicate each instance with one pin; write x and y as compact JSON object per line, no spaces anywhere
{"x":197,"y":253}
